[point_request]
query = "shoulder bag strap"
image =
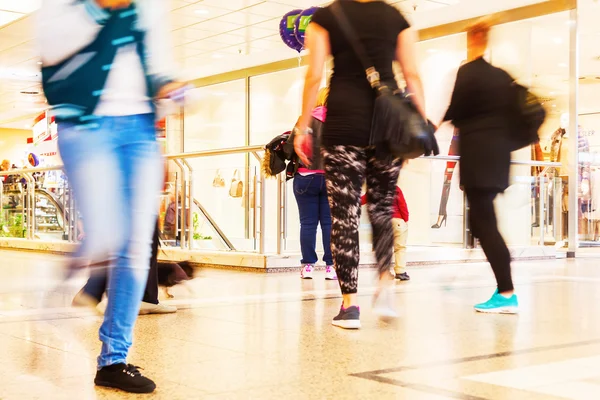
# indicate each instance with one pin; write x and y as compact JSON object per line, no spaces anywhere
{"x":360,"y":51}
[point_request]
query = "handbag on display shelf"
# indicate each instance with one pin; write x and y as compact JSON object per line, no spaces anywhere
{"x":398,"y":128}
{"x":218,"y":182}
{"x":237,"y":186}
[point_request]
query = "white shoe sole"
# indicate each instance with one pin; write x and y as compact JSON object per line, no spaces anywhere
{"x":347,"y":324}
{"x":502,"y":310}
{"x":386,"y":314}
{"x":306,"y":277}
{"x":331,"y":278}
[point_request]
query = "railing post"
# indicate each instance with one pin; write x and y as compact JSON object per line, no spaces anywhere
{"x":190,"y":180}
{"x":542,"y":210}
{"x":182,"y":240}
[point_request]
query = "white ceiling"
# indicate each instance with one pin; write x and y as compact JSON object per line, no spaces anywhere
{"x":211,"y":36}
{"x":205,"y":32}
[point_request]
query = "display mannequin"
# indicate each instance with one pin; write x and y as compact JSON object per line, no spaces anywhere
{"x":560,"y":153}
{"x":536,"y":155}
{"x":594,"y":212}
{"x":448,"y":173}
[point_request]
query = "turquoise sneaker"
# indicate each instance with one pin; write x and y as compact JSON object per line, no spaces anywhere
{"x":499,"y":304}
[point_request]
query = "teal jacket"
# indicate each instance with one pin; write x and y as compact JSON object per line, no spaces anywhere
{"x":78,"y":41}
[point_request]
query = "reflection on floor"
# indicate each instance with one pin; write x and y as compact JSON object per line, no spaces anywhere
{"x":252,"y":336}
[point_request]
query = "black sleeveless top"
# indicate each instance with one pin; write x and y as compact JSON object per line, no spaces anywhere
{"x":350,"y":104}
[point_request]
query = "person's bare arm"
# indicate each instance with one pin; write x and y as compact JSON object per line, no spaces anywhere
{"x":407,"y":58}
{"x":317,"y":43}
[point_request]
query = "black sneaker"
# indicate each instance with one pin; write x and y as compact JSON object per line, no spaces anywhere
{"x":125,"y":377}
{"x":348,"y":318}
{"x":403,"y":277}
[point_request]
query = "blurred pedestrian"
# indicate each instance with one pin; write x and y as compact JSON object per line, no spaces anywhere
{"x":313,"y":205}
{"x":348,"y":157}
{"x":400,"y":224}
{"x":484,"y":108}
{"x":104,"y":62}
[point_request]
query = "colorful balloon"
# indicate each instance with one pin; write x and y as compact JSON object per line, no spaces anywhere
{"x":34,"y":161}
{"x":287,"y":30}
{"x":302,"y":23}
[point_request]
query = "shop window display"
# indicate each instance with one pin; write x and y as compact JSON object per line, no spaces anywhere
{"x":214,"y":118}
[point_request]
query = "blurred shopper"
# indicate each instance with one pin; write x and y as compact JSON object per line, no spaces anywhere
{"x":400,"y":225}
{"x":484,"y":109}
{"x":5,"y":167}
{"x":104,"y":61}
{"x":348,"y":158}
{"x":93,"y":291}
{"x":313,"y":205}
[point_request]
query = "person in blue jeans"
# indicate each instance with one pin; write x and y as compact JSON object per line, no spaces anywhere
{"x":104,"y":62}
{"x":313,"y":204}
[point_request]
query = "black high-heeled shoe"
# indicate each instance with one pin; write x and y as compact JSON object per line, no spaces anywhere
{"x":443,"y":221}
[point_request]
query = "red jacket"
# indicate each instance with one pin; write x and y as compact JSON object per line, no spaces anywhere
{"x":400,"y":207}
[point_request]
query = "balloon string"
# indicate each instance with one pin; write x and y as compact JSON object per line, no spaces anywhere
{"x":299,"y":60}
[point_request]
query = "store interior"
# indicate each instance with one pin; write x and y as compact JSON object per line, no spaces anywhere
{"x":246,"y":111}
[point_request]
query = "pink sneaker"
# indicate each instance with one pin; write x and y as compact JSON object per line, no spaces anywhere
{"x":307,"y":272}
{"x":330,"y":274}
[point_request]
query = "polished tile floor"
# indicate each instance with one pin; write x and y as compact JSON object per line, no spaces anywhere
{"x":257,"y":336}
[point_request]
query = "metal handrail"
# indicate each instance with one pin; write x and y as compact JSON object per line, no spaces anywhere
{"x":253,"y":149}
{"x":186,"y":187}
{"x":513,"y":162}
{"x":215,"y":152}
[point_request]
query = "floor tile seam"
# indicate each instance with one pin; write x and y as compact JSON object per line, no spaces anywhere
{"x":29,"y":341}
{"x":483,"y":357}
{"x":281,"y":298}
{"x":417,"y":387}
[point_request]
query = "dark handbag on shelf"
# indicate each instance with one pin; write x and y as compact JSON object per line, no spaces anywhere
{"x":531,"y":116}
{"x":397,"y":128}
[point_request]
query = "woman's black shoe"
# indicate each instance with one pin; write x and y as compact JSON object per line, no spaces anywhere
{"x":444,"y":221}
{"x":126,"y":377}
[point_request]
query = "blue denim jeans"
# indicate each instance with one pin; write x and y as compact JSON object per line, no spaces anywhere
{"x":313,"y":206}
{"x":115,"y":170}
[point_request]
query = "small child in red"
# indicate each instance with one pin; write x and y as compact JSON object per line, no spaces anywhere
{"x":400,"y":222}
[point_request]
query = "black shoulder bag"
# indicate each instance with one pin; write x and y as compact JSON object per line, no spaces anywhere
{"x":531,"y":116}
{"x":398,"y":129}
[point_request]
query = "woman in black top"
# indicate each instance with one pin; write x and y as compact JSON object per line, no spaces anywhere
{"x":484,"y":109}
{"x":348,"y":159}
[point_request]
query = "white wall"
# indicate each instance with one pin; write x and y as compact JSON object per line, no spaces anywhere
{"x":13,"y":145}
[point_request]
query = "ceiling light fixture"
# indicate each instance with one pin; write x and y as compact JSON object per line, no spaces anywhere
{"x":217,"y":55}
{"x":562,"y":65}
{"x":558,"y":40}
{"x":201,"y":11}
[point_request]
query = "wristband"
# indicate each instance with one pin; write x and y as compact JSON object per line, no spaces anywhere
{"x":298,"y":131}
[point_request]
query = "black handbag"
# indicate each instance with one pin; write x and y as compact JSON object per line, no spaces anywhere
{"x":398,"y":129}
{"x":531,"y":116}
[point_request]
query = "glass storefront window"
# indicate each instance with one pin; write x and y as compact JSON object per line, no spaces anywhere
{"x":215,"y":119}
{"x":535,"y":51}
{"x":275,"y":105}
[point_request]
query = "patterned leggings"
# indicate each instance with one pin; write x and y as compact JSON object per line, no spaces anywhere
{"x":346,"y":168}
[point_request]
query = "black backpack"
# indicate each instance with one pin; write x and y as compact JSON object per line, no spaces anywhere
{"x":530,"y":117}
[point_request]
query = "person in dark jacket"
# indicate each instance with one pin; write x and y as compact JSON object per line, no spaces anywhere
{"x":483,"y":108}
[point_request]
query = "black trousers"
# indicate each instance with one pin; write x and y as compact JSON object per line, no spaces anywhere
{"x":484,"y":226}
{"x":96,"y":284}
